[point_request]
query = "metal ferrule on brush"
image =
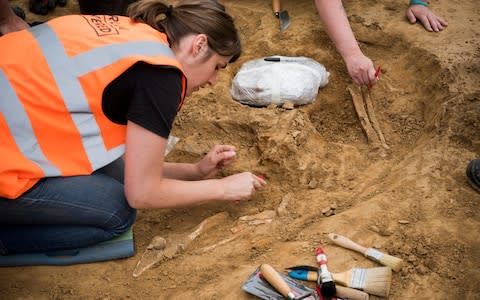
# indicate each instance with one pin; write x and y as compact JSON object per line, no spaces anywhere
{"x":325,"y":274}
{"x":374,"y":254}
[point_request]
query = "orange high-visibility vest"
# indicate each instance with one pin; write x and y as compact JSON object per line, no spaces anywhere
{"x":52,"y":77}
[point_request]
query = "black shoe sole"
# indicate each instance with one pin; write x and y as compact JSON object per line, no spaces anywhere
{"x":472,"y":176}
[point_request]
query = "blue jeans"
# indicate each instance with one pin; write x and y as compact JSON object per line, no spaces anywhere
{"x":61,"y":213}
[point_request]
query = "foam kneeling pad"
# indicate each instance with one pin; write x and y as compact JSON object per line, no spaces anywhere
{"x":119,"y":247}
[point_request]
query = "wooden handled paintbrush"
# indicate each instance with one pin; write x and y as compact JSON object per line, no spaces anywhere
{"x":324,"y":280}
{"x":385,"y":259}
{"x":311,"y":274}
{"x":375,"y":281}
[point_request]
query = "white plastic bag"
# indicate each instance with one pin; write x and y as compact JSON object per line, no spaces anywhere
{"x":277,"y":79}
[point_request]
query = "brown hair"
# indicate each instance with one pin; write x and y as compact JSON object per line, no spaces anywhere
{"x":191,"y":17}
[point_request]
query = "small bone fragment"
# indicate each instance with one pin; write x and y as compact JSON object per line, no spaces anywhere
{"x":259,"y":222}
{"x":282,"y":208}
{"x":326,"y":210}
{"x":224,"y":241}
{"x":157,"y":243}
{"x":329,"y":213}
{"x":288,"y":105}
{"x":238,"y":228}
{"x":266,"y":214}
{"x":208,"y":223}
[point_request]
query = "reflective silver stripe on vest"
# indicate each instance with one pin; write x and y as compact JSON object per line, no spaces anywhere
{"x":66,"y":71}
{"x":21,"y":127}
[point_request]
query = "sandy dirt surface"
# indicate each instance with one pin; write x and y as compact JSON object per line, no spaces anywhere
{"x":413,"y":203}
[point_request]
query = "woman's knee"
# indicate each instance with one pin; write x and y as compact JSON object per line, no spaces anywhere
{"x":121,"y":215}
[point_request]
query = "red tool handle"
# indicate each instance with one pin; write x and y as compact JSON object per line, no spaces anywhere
{"x":377,"y":73}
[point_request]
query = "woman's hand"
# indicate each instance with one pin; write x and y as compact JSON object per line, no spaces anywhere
{"x":361,"y":70}
{"x":241,"y":186}
{"x":423,"y":14}
{"x":216,"y":159}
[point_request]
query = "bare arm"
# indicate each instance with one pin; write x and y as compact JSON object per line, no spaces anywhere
{"x":9,"y":22}
{"x":147,"y":184}
{"x":335,"y":21}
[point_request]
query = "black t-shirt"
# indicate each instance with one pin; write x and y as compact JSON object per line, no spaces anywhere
{"x":145,"y":94}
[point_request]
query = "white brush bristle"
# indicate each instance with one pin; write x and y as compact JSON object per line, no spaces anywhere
{"x":393,"y":262}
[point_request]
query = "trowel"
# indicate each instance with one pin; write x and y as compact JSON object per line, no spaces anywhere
{"x":282,"y":15}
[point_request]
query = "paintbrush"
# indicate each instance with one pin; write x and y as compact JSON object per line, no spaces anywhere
{"x":310,"y":273}
{"x":307,"y":273}
{"x":324,"y":280}
{"x":375,"y":281}
{"x":385,"y":259}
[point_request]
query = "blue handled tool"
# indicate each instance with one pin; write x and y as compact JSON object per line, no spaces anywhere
{"x":304,"y":275}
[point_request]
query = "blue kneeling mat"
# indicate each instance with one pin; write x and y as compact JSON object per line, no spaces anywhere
{"x":119,"y":247}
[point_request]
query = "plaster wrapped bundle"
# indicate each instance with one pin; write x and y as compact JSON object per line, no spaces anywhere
{"x":277,"y":79}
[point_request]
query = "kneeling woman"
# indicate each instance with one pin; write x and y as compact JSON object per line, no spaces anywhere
{"x":87,"y":105}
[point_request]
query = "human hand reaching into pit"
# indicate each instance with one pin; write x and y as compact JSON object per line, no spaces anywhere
{"x":242,"y":186}
{"x":420,"y":12}
{"x":361,"y":70}
{"x":219,"y":157}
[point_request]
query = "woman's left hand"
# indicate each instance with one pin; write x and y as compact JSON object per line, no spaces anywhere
{"x":216,"y":159}
{"x":428,"y":19}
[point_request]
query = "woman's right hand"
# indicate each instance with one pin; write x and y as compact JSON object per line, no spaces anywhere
{"x":361,"y":70}
{"x":241,"y":186}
